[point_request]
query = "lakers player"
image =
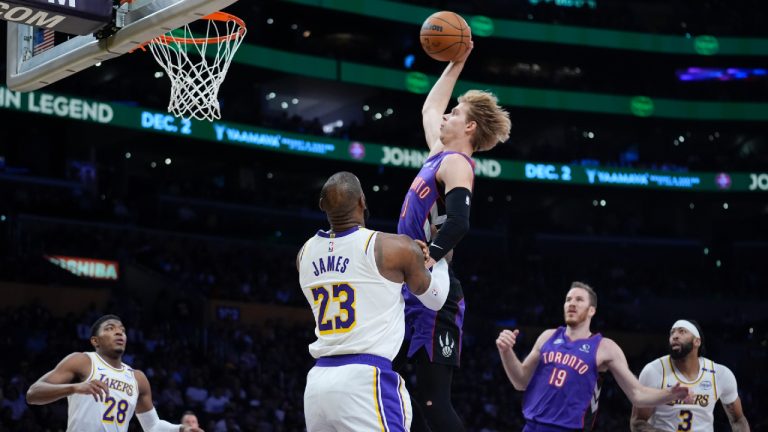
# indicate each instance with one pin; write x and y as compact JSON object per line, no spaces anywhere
{"x":710,"y":382}
{"x":101,"y":390}
{"x":352,"y":278}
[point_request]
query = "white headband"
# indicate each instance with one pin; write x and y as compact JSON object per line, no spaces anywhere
{"x":688,"y":326}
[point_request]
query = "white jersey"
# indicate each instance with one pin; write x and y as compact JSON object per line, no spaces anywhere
{"x":357,"y":310}
{"x":115,"y":413}
{"x":715,"y":382}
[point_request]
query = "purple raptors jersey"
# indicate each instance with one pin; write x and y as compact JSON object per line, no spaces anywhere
{"x":424,"y":205}
{"x":563,"y":390}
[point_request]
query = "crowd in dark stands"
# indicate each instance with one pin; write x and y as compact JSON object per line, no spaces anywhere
{"x":250,"y":377}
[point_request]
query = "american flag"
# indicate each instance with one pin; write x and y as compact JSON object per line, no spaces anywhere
{"x":43,"y":40}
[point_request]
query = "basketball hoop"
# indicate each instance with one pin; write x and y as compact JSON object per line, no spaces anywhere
{"x":195,"y":71}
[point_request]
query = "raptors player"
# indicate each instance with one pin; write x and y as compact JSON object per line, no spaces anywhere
{"x":441,"y":195}
{"x":560,"y":375}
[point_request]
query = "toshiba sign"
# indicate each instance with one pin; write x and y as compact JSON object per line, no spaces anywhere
{"x":86,"y":267}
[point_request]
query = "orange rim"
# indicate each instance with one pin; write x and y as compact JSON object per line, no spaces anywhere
{"x":216,"y":16}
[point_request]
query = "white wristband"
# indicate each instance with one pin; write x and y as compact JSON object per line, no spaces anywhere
{"x":435,"y":295}
{"x":150,"y":422}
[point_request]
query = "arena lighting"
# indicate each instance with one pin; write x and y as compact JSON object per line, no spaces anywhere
{"x":409,"y":60}
{"x":255,"y":137}
{"x":576,"y":4}
{"x":718,"y":74}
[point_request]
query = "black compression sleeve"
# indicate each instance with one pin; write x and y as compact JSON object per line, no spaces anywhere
{"x":457,"y":203}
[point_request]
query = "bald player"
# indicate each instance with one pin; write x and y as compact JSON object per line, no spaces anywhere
{"x":352,"y":278}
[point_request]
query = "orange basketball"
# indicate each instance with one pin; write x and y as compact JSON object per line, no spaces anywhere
{"x":445,"y":36}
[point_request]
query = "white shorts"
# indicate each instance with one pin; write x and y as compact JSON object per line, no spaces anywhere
{"x":356,"y":393}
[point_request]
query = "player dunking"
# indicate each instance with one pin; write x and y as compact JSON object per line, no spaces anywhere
{"x":102,"y":392}
{"x":352,"y":278}
{"x":560,"y":375}
{"x":441,"y":195}
{"x":710,"y":382}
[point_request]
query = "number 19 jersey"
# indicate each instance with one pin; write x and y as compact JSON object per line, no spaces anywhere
{"x":565,"y":387}
{"x":356,"y":309}
{"x":115,"y":412}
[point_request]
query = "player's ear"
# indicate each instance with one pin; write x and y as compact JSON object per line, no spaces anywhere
{"x":470,"y":127}
{"x":95,"y":341}
{"x":696,"y":342}
{"x":591,"y":311}
{"x":320,"y":204}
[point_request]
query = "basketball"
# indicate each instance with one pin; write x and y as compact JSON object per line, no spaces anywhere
{"x":445,"y":36}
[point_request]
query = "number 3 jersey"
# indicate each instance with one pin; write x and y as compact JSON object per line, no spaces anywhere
{"x":713,"y":382}
{"x":565,"y":386}
{"x":115,"y":412}
{"x":357,"y":310}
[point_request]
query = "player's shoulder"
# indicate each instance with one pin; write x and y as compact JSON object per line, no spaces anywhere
{"x":657,"y":365}
{"x":399,"y":239}
{"x":546,"y":335}
{"x":718,"y":368}
{"x":77,"y":357}
{"x":140,"y":376}
{"x":608,"y":343}
{"x":456,"y":160}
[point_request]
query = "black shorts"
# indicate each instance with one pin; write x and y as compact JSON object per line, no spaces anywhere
{"x":439,"y":333}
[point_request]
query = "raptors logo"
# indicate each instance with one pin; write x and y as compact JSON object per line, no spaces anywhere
{"x":447,"y":346}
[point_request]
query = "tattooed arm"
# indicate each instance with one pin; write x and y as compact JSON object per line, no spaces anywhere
{"x":736,"y":416}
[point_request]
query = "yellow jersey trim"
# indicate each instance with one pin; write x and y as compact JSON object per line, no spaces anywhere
{"x":402,"y":402}
{"x":714,"y":379}
{"x":663,"y":374}
{"x":301,"y":252}
{"x":376,"y":397}
{"x":672,"y":367}
{"x":93,"y":369}
{"x":122,"y":369}
{"x":367,"y":242}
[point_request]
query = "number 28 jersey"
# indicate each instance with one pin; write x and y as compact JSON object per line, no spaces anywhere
{"x":113,"y":414}
{"x":713,"y":382}
{"x":356,"y":309}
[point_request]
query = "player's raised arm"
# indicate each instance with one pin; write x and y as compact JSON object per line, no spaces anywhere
{"x":519,"y":373}
{"x":610,"y":355}
{"x":437,"y":102}
{"x":60,"y":382}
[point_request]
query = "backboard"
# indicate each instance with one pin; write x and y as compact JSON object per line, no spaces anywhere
{"x":30,"y":68}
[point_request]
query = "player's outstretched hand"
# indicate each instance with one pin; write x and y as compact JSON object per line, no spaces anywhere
{"x":463,"y":58}
{"x":506,"y":340}
{"x":96,"y":388}
{"x":682,"y":393}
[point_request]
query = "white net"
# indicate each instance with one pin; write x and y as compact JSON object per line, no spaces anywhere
{"x":197,"y":66}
